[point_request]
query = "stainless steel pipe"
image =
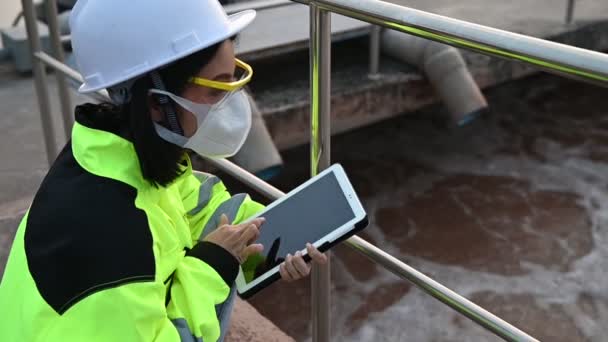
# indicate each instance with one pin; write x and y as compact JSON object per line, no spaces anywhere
{"x":57,"y":50}
{"x":374,"y":52}
{"x":40,"y":81}
{"x":565,"y":60}
{"x":320,"y":158}
{"x":256,"y":5}
{"x":570,"y":12}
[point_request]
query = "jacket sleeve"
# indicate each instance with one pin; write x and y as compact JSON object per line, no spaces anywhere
{"x":131,"y":312}
{"x":203,"y":281}
{"x":144,"y":310}
{"x":206,"y":199}
{"x":200,"y":284}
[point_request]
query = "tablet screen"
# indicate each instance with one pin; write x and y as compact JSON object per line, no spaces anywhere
{"x":306,"y":216}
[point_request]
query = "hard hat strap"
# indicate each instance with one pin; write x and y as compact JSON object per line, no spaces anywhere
{"x":166,"y":104}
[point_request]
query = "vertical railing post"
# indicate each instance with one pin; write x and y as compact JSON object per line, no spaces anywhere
{"x":57,"y":52}
{"x":40,"y":80}
{"x":374,"y":52}
{"x":320,"y":100}
{"x":570,"y":11}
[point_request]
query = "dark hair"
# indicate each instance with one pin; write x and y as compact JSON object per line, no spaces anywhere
{"x":159,"y":159}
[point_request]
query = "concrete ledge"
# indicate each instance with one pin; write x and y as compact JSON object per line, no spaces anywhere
{"x":249,"y":325}
{"x":358,"y":101}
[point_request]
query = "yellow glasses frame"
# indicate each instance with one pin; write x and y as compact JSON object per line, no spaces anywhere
{"x":227,"y":86}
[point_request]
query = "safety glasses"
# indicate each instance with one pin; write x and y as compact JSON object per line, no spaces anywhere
{"x":242,"y":76}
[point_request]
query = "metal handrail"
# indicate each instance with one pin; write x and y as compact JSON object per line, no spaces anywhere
{"x":40,"y":81}
{"x":256,"y":5}
{"x":570,"y":11}
{"x":565,"y":60}
{"x":320,"y":155}
{"x":57,"y":51}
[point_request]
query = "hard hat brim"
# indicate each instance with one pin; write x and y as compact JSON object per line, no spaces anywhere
{"x":237,"y":22}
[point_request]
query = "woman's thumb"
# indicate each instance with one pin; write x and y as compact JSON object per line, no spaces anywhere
{"x":223,"y":220}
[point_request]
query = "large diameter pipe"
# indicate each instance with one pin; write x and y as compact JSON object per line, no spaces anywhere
{"x":259,"y":154}
{"x":445,"y":69}
{"x":561,"y":59}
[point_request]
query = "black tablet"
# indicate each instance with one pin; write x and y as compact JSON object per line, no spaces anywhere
{"x":324,"y":211}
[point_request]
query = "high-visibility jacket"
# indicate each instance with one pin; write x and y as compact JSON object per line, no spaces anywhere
{"x":103,"y":255}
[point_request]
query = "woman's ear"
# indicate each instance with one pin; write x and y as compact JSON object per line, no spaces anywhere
{"x":156,"y":113}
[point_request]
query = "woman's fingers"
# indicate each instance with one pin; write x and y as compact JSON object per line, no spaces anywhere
{"x":295,"y":267}
{"x":250,"y":231}
{"x":255,"y":248}
{"x":284,"y":275}
{"x":290,"y":268}
{"x":315,"y":255}
{"x":256,"y":222}
{"x":248,"y":234}
{"x":300,"y":265}
{"x":237,"y":238}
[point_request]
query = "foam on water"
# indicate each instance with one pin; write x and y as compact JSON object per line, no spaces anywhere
{"x":418,"y":317}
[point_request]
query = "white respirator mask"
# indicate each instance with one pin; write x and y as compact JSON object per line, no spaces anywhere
{"x":221,"y":128}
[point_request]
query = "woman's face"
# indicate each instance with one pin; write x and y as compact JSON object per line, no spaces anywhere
{"x":220,"y":68}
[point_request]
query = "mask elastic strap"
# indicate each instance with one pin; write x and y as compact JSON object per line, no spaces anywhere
{"x":166,"y":105}
{"x":169,"y":136}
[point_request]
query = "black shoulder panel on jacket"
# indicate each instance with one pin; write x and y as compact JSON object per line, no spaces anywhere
{"x":84,"y":234}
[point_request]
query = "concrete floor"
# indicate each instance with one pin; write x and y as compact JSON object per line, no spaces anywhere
{"x":22,"y":153}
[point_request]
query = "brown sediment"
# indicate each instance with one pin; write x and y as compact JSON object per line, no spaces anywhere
{"x":378,"y":300}
{"x":287,"y":305}
{"x":358,"y":266}
{"x":491,"y":224}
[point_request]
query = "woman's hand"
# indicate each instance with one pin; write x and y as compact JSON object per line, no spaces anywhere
{"x":295,"y":267}
{"x":237,"y":239}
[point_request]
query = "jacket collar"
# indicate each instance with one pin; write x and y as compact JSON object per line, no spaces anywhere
{"x":99,"y":149}
{"x":107,"y":155}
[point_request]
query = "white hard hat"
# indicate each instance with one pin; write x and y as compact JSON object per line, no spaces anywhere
{"x":118,"y":40}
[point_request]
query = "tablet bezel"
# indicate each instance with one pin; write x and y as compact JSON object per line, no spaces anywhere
{"x":337,"y":235}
